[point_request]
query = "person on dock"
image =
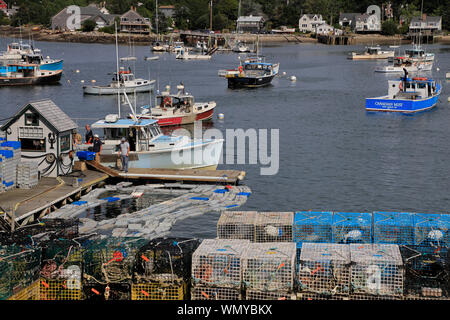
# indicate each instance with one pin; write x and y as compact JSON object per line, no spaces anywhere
{"x":124,"y":152}
{"x":89,"y":135}
{"x":97,"y":148}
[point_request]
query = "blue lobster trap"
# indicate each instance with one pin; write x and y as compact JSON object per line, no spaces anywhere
{"x":393,"y":228}
{"x":431,"y":231}
{"x":313,"y":227}
{"x":349,"y":227}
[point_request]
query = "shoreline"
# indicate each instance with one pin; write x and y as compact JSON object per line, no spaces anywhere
{"x":105,"y":38}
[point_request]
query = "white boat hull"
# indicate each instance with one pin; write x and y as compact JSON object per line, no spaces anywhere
{"x":426,"y":67}
{"x":108,"y":90}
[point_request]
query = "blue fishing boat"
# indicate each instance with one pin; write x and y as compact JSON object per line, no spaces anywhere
{"x":407,"y":95}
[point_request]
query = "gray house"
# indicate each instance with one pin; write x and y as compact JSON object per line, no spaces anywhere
{"x":133,"y":22}
{"x":65,"y":21}
{"x":252,"y":24}
{"x":427,"y":25}
{"x":46,"y":135}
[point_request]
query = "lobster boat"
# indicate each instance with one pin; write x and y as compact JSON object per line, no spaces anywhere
{"x":177,"y":109}
{"x":401,"y":63}
{"x":252,"y":73}
{"x":407,"y":95}
{"x":23,"y":73}
{"x":371,"y":53}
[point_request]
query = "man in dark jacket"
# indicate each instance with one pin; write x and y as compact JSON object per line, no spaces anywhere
{"x":89,"y":135}
{"x":97,"y":148}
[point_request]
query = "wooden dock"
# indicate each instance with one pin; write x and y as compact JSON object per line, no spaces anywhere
{"x":28,"y":205}
{"x":185,"y":175}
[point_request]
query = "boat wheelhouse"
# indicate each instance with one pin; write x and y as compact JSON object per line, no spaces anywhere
{"x":178,"y":109}
{"x":150,"y":149}
{"x":407,"y":95}
{"x":417,"y":54}
{"x":23,"y":73}
{"x":253,"y":72}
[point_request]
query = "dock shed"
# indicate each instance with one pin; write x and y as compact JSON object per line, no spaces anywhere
{"x":46,"y":136}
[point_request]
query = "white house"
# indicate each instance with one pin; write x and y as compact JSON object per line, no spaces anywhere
{"x":426,"y":24}
{"x":309,"y":22}
{"x":366,"y":22}
{"x":325,"y":29}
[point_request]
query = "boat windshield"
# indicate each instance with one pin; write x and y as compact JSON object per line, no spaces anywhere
{"x":155,"y":130}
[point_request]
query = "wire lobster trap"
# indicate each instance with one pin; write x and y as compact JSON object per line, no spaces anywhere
{"x":318,"y":296}
{"x":218,"y":263}
{"x":431,"y":231}
{"x":51,"y":289}
{"x":105,"y":292}
{"x":215,"y":293}
{"x":237,"y":225}
{"x":29,"y":293}
{"x":393,"y":228}
{"x":349,"y":227}
{"x":274,"y":227}
{"x":159,"y":291}
{"x":269,"y":295}
{"x":365,"y":296}
{"x":111,"y":260}
{"x":165,"y":260}
{"x":376,"y":269}
{"x":313,"y":227}
{"x":270,"y":266}
{"x":19,"y":268}
{"x":324,"y":268}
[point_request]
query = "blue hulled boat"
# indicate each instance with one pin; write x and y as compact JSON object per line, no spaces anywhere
{"x":407,"y":95}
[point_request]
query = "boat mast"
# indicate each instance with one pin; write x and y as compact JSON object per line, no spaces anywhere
{"x":157,"y":20}
{"x":117,"y":65}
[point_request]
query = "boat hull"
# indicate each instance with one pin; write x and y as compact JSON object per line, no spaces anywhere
{"x":198,"y":155}
{"x":24,"y":81}
{"x":52,"y":66}
{"x":180,"y":120}
{"x":244,"y":82}
{"x":371,"y":56}
{"x":107,"y":90}
{"x":399,"y":105}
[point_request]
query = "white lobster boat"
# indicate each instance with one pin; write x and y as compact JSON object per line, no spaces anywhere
{"x":401,"y":63}
{"x":371,"y":53}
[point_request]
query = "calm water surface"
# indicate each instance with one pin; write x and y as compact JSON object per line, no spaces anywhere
{"x":333,"y":155}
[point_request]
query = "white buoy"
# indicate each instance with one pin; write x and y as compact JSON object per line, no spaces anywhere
{"x":448,"y":99}
{"x":284,"y":73}
{"x":82,"y":81}
{"x":221,"y":116}
{"x":77,"y":71}
{"x":447,"y":75}
{"x":293,"y":78}
{"x":94,"y":81}
{"x":437,"y":69}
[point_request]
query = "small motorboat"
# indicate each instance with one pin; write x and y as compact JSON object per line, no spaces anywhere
{"x":177,"y":109}
{"x":183,"y":53}
{"x":241,"y":47}
{"x":125,"y":82}
{"x":158,"y":46}
{"x":401,"y":63}
{"x":407,"y":95}
{"x":371,"y":53}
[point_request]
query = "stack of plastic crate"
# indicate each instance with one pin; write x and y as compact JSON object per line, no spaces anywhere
{"x":269,"y":270}
{"x":237,"y":225}
{"x":8,"y":170}
{"x":162,"y":269}
{"x":15,"y":147}
{"x":274,"y":226}
{"x":27,"y":174}
{"x":217,"y":269}
{"x":349,"y":227}
{"x":377,"y":272}
{"x":324,"y":271}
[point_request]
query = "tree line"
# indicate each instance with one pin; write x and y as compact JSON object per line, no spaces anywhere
{"x":194,"y":14}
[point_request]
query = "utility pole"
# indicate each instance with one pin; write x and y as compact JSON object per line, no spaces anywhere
{"x":210,"y":15}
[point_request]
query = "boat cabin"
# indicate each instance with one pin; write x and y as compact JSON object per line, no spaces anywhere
{"x":124,"y":76}
{"x":402,"y":62}
{"x":415,"y":88}
{"x":373,"y":50}
{"x":176,"y":101}
{"x":139,"y":134}
{"x":415,"y":53}
{"x":18,"y":70}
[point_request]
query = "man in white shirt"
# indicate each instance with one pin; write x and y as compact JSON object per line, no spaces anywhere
{"x":124,"y":152}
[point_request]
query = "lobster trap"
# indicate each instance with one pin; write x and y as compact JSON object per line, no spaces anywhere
{"x":215,"y":293}
{"x":319,"y":296}
{"x":270,"y":266}
{"x":376,"y":269}
{"x":431,"y":231}
{"x":158,"y":291}
{"x":393,"y":228}
{"x":274,"y":226}
{"x":165,"y":260}
{"x":19,"y":268}
{"x":110,"y":260}
{"x":349,"y":227}
{"x":102,"y":292}
{"x":237,"y":225}
{"x":29,"y":293}
{"x":324,"y":268}
{"x":218,"y":262}
{"x":312,"y":227}
{"x":50,"y":289}
{"x":268,"y":295}
{"x":364,"y":296}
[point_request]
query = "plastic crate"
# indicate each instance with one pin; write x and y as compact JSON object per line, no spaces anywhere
{"x":237,"y":225}
{"x":393,"y":228}
{"x":86,"y":155}
{"x":376,"y":269}
{"x":349,"y":227}
{"x":274,"y":226}
{"x":324,"y":268}
{"x":313,"y":227}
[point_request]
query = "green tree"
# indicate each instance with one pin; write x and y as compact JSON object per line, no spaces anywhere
{"x":389,"y":28}
{"x":88,"y":26}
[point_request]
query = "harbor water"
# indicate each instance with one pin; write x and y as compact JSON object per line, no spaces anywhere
{"x":333,"y":154}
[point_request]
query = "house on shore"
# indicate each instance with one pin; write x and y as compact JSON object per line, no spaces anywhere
{"x":9,"y":12}
{"x":326,"y":29}
{"x":370,"y":21}
{"x":309,"y":22}
{"x":46,"y":136}
{"x":65,"y":21}
{"x":250,"y":24}
{"x":425,"y":25}
{"x":133,"y":22}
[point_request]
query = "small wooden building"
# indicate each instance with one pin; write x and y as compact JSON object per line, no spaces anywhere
{"x":46,"y":135}
{"x":133,"y":22}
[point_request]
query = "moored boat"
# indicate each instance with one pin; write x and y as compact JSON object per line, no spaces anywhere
{"x":177,"y":109}
{"x":24,"y":73}
{"x":401,"y":63}
{"x":407,"y":95}
{"x":252,"y":73}
{"x":371,"y":53}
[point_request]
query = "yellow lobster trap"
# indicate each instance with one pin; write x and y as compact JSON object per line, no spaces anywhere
{"x":29,"y":293}
{"x":50,"y":289}
{"x":158,"y":291}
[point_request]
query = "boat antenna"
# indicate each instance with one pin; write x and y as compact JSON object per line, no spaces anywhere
{"x":117,"y":65}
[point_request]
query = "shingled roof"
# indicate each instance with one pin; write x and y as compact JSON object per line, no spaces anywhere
{"x":50,"y":112}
